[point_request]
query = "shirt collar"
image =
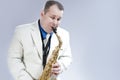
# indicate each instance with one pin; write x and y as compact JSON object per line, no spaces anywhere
{"x":43,"y":33}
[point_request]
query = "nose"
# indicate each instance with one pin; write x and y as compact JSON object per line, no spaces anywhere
{"x":55,"y":23}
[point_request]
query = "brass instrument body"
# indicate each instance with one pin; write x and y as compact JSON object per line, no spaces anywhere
{"x":46,"y":74}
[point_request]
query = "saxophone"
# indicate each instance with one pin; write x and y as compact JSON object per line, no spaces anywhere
{"x":46,"y":74}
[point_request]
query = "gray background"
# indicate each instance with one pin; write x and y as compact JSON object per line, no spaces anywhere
{"x":94,"y":26}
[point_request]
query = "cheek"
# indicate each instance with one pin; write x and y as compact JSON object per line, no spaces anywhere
{"x":49,"y":23}
{"x":48,"y":20}
{"x":58,"y":22}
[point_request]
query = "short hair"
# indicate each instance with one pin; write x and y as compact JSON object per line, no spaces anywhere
{"x":50,"y":3}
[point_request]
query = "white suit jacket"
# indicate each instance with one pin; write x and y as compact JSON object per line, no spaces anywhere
{"x":25,"y":52}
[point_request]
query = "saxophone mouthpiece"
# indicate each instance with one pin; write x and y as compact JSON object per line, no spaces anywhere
{"x":54,"y":30}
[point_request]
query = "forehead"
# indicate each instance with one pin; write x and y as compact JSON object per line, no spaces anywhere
{"x":54,"y":10}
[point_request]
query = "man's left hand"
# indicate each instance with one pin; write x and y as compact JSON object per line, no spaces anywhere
{"x":56,"y":69}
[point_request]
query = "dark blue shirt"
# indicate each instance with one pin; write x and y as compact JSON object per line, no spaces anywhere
{"x":43,"y":33}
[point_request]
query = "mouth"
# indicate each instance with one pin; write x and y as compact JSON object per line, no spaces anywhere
{"x":54,"y":29}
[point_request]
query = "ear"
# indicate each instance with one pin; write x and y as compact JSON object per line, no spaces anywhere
{"x":42,"y":13}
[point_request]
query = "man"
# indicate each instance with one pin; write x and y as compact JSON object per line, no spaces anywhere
{"x":26,"y":53}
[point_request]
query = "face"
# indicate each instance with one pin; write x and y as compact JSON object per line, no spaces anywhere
{"x":51,"y":18}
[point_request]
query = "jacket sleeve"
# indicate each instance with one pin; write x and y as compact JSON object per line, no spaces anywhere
{"x":15,"y":58}
{"x":65,"y":58}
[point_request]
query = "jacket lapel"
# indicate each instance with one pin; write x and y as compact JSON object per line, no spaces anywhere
{"x":37,"y":41}
{"x":36,"y":38}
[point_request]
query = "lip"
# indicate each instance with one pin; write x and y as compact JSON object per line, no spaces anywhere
{"x":50,"y":29}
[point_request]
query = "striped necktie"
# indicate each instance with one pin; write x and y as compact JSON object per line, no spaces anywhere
{"x":46,"y":49}
{"x":46,"y":40}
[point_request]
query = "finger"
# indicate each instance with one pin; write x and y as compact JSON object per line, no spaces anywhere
{"x":56,"y":72}
{"x":55,"y":65}
{"x":55,"y":69}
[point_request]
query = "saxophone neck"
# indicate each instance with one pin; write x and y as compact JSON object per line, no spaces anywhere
{"x":58,"y":37}
{"x":59,"y":40}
